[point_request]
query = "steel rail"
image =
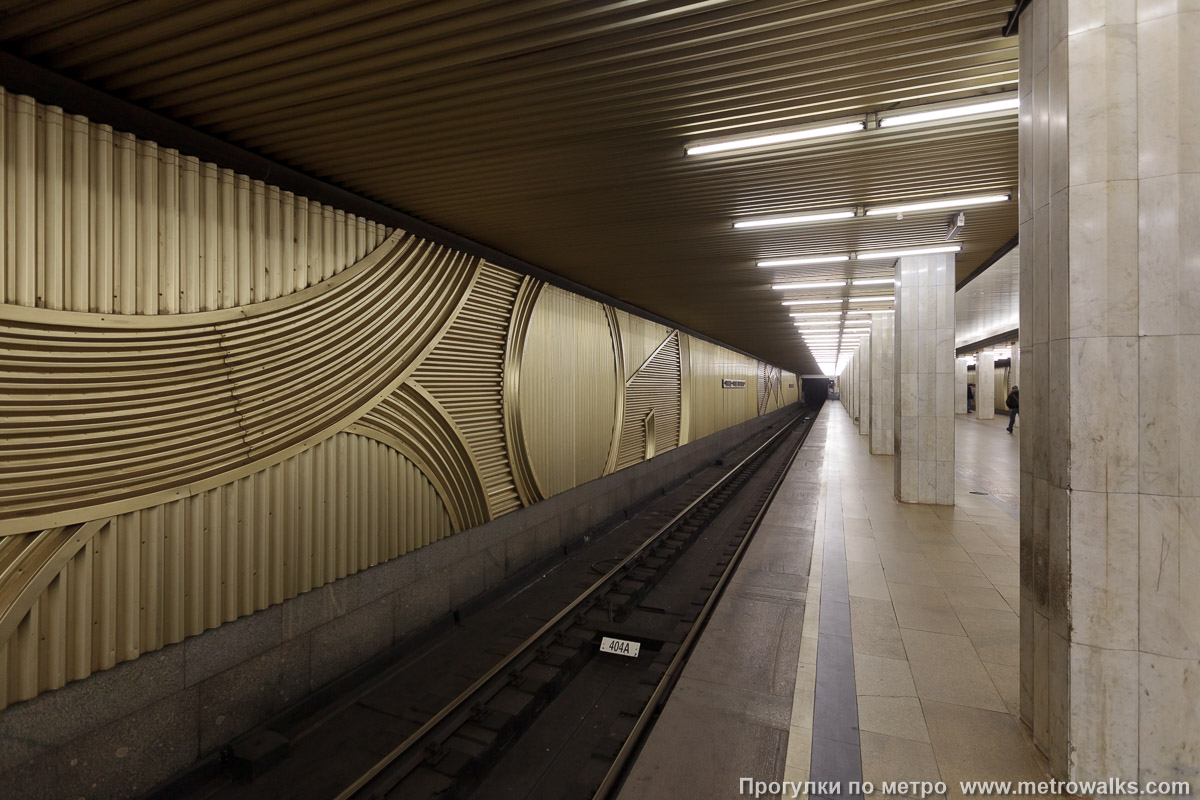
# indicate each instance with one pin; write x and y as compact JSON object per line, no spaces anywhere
{"x":616,"y":772}
{"x":572,"y":607}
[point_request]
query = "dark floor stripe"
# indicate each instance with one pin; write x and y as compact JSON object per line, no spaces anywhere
{"x":836,"y":752}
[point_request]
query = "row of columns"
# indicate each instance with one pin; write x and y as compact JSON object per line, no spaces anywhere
{"x":898,"y":386}
{"x":1110,"y":335}
{"x":985,"y":382}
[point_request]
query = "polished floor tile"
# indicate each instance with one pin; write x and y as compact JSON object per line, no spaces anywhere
{"x":933,"y":593}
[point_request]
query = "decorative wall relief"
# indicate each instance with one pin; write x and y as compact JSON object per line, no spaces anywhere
{"x":215,"y":396}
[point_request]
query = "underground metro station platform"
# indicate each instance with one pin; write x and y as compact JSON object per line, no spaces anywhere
{"x":538,"y":399}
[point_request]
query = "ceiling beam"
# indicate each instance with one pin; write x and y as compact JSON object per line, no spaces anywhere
{"x":992,"y":259}
{"x":983,"y":344}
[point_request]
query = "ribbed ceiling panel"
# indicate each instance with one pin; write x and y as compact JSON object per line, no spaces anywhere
{"x":554,"y":129}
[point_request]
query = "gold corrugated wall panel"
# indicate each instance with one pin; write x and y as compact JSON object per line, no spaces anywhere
{"x":413,"y":422}
{"x":152,"y":577}
{"x":790,"y":389}
{"x":640,"y":337}
{"x":653,"y":387}
{"x":763,"y":385}
{"x":106,"y":414}
{"x":714,"y":408}
{"x":569,"y":387}
{"x":465,"y":374}
{"x":769,"y":379}
{"x":98,"y":220}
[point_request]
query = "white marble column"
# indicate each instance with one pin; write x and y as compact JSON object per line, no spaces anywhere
{"x":1109,"y":218}
{"x":848,"y":373}
{"x":853,"y":381}
{"x":960,"y":385}
{"x":864,"y":385}
{"x":924,"y":379}
{"x":1014,"y":374}
{"x":882,"y":396}
{"x":985,"y":385}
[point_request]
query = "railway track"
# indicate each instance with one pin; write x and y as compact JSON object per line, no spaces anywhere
{"x":458,"y":729}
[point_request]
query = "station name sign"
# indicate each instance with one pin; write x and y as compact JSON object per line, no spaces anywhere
{"x":732,"y":383}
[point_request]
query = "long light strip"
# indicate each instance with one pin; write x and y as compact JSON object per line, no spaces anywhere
{"x":873,"y":281}
{"x":873,"y":299}
{"x":1006,"y":102}
{"x":866,"y":255}
{"x":795,"y":135}
{"x":827,"y":313}
{"x":799,"y":262}
{"x":837,"y":300}
{"x":806,"y":331}
{"x":948,"y":113}
{"x":816,"y":285}
{"x":795,"y":219}
{"x":933,"y":205}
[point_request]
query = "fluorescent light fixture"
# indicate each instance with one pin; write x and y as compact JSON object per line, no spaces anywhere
{"x":873,"y":281}
{"x":799,"y":262}
{"x":882,"y":298}
{"x":831,"y":313}
{"x":795,"y":219}
{"x":953,"y":112}
{"x":933,"y":205}
{"x":817,"y":285}
{"x":864,"y":255}
{"x":826,"y":301}
{"x":795,"y":135}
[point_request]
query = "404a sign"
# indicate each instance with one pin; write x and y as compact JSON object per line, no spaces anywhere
{"x":620,"y":647}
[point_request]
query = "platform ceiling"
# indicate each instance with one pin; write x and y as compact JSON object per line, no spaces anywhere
{"x":554,"y":130}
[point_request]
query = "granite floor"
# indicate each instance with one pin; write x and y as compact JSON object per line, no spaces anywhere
{"x":933,"y":603}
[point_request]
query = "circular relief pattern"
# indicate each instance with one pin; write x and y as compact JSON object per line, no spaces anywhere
{"x":568,"y":390}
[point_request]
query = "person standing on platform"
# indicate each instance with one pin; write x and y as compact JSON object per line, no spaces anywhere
{"x":1013,"y":402}
{"x":970,"y":398}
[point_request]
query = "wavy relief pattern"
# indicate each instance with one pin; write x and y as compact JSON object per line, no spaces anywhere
{"x":97,"y":220}
{"x":107,"y":414}
{"x":83,"y":598}
{"x":415,"y":424}
{"x":514,"y":434}
{"x":465,"y":374}
{"x":655,"y":386}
